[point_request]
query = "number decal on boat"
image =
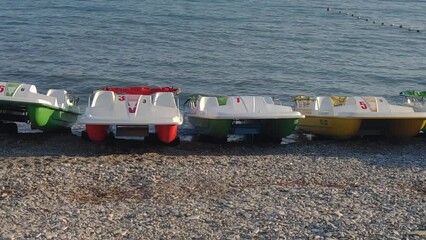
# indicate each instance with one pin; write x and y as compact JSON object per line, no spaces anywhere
{"x":324,"y":122}
{"x":121,"y":98}
{"x":363,"y":105}
{"x":1,"y":88}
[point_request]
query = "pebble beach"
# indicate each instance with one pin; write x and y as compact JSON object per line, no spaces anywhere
{"x":58,"y":186}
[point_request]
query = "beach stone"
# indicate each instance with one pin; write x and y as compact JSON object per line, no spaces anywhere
{"x":8,"y":236}
{"x":233,"y":194}
{"x":421,"y":233}
{"x":193,"y":217}
{"x":50,"y":235}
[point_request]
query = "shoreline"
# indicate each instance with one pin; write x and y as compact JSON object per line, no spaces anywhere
{"x":58,"y":186}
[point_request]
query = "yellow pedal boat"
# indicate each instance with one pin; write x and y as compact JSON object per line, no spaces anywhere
{"x":346,"y":117}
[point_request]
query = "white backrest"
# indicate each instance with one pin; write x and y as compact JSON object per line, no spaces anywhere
{"x":144,"y":103}
{"x":383,"y":105}
{"x":208,"y":102}
{"x":325,"y":106}
{"x":30,"y":91}
{"x":165,"y":99}
{"x":23,"y":90}
{"x":268,"y":100}
{"x":60,"y":96}
{"x":238,"y":105}
{"x":102,"y":99}
{"x":259,"y":104}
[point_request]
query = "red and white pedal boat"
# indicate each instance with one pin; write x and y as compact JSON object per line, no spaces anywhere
{"x":130,"y":111}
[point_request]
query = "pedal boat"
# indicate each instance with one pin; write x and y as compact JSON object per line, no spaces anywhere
{"x":415,"y":99}
{"x":217,"y":117}
{"x":130,"y":111}
{"x":20,"y":102}
{"x":346,"y":117}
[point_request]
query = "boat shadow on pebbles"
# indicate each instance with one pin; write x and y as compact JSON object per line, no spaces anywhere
{"x":378,"y":151}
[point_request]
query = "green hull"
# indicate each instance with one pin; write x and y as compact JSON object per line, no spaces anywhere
{"x":220,"y":128}
{"x":40,"y":116}
{"x":216,"y":128}
{"x":45,"y":118}
{"x":277,"y":128}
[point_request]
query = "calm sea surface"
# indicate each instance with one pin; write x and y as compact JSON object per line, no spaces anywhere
{"x":265,"y":47}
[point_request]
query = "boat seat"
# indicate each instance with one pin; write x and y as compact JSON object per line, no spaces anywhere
{"x":325,"y":106}
{"x":27,"y":89}
{"x":338,"y":100}
{"x":165,"y":99}
{"x":103,"y":99}
{"x":268,"y":100}
{"x":208,"y":103}
{"x":238,"y":104}
{"x":260,"y":104}
{"x":222,"y":100}
{"x":303,"y":103}
{"x":60,"y":96}
{"x":247,"y":104}
{"x":30,"y":91}
{"x":413,"y":94}
{"x":372,"y":103}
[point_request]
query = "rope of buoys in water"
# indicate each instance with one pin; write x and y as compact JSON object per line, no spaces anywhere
{"x":329,"y":9}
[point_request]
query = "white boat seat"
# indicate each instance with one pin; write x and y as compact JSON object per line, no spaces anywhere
{"x":103,"y":99}
{"x":325,"y":106}
{"x":60,"y":96}
{"x":208,"y":102}
{"x":165,"y":99}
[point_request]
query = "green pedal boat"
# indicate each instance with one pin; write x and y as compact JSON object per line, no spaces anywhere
{"x":416,"y":100}
{"x":20,"y":102}
{"x":216,"y":117}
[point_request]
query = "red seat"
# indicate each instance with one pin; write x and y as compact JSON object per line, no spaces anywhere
{"x":139,"y":90}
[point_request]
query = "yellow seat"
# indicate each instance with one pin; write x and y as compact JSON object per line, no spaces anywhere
{"x":338,"y":100}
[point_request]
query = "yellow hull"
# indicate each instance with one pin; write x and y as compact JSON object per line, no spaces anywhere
{"x":343,"y":128}
{"x":405,"y":127}
{"x":330,"y":127}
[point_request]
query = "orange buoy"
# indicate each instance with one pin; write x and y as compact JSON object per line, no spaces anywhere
{"x":97,"y":133}
{"x":166,"y":133}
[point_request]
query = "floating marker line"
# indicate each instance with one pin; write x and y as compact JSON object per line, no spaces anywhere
{"x":329,"y":9}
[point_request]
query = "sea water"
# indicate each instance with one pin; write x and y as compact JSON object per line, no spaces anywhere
{"x":279,"y":48}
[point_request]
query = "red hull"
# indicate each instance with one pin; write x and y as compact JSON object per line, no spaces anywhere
{"x":166,"y":133}
{"x":97,"y":133}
